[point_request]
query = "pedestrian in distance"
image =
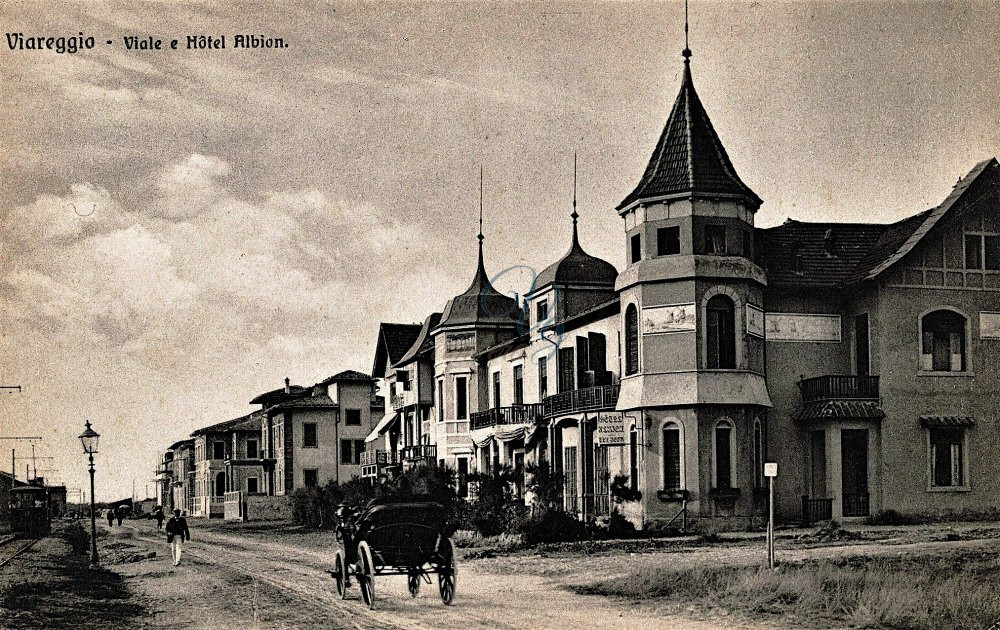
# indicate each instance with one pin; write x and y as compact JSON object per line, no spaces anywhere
{"x":111,"y":517}
{"x":177,"y":533}
{"x":158,"y":515}
{"x":121,"y":514}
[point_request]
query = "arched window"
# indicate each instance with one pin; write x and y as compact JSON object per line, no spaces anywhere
{"x":943,"y":342}
{"x":220,"y":485}
{"x":723,"y":455}
{"x":721,"y":315}
{"x":631,"y":340}
{"x":672,"y":445}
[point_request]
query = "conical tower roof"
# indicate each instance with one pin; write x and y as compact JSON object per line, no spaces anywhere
{"x":480,"y":303}
{"x":689,"y":157}
{"x":577,"y":267}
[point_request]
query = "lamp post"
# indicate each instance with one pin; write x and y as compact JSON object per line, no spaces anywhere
{"x":89,"y":440}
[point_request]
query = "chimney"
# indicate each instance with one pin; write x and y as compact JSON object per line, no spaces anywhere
{"x":288,"y":386}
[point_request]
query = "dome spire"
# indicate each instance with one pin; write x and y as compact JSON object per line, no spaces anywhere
{"x":686,"y":53}
{"x":576,"y":241}
{"x":481,"y":237}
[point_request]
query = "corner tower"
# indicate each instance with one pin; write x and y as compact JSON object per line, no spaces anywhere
{"x":692,"y":323}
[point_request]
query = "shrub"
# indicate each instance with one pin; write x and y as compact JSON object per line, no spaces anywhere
{"x":78,"y":538}
{"x":545,"y":485}
{"x":497,"y":509}
{"x":552,"y":526}
{"x":621,"y":490}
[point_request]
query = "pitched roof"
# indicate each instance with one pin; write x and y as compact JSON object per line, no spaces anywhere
{"x":277,"y":395}
{"x":503,"y":347}
{"x":480,"y":303}
{"x":904,"y":240}
{"x":393,"y":342}
{"x":346,"y":375}
{"x":828,"y":253}
{"x":689,"y":157}
{"x":577,"y":267}
{"x":844,"y":409}
{"x":247,"y":422}
{"x":424,"y":342}
{"x":320,"y":401}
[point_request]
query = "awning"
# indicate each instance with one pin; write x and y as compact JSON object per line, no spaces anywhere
{"x":385,"y":424}
{"x":511,"y":435}
{"x":841,"y":410}
{"x":534,"y":436}
{"x":947,"y":421}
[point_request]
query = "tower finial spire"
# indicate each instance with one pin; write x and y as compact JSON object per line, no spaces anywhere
{"x":686,"y":53}
{"x":574,"y":215}
{"x":481,"y":237}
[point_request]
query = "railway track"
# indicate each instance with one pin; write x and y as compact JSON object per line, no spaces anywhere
{"x":13,"y":547}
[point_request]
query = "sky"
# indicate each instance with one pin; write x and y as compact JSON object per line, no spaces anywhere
{"x":181,"y":230}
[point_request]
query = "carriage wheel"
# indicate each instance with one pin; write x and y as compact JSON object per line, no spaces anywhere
{"x":366,"y":577}
{"x":448,"y":574}
{"x":413,"y":584}
{"x":340,"y":575}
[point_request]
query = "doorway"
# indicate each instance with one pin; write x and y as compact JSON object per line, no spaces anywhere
{"x":854,"y":471}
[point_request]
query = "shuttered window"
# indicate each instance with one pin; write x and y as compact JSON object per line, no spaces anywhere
{"x":671,"y":457}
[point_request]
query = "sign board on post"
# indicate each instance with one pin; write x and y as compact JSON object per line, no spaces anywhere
{"x":611,"y":429}
{"x":770,"y":469}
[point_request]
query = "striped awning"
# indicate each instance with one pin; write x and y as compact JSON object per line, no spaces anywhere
{"x":947,"y":421}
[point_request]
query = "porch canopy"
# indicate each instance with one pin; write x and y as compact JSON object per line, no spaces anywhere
{"x":384,"y":425}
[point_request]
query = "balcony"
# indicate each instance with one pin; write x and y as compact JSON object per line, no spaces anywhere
{"x":420,"y":452}
{"x":515,"y":414}
{"x":372,"y":458}
{"x":823,"y":388}
{"x":601,"y":398}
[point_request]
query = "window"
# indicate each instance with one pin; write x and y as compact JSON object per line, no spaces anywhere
{"x":636,"y":243}
{"x":861,"y":345}
{"x":633,"y":458}
{"x":747,"y":244}
{"x":947,"y":457}
{"x":723,"y":456}
{"x":218,"y":450}
{"x":252,"y":485}
{"x":440,"y":401}
{"x":631,"y":340}
{"x":567,"y":370}
{"x":496,"y":390}
{"x":309,"y":439}
{"x":461,"y":398}
{"x":671,"y":456}
{"x":715,"y":239}
{"x":252,"y":449}
{"x":569,"y":478}
{"x":721,"y":337}
{"x":668,"y":241}
{"x":543,"y":377}
{"x":310,"y":477}
{"x":518,"y":384}
{"x":352,"y":417}
{"x":346,"y":457}
{"x":973,"y":251}
{"x":992,"y":252}
{"x":542,"y":311}
{"x":220,"y":485}
{"x":943,"y":342}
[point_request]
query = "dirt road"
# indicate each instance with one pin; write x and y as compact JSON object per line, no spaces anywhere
{"x":231,"y":581}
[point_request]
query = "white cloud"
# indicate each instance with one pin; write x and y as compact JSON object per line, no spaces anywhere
{"x":190,"y":187}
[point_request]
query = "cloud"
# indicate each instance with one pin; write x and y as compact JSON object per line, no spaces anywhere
{"x":87,"y":209}
{"x":190,"y":187}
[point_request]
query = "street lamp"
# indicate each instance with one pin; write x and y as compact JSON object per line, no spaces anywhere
{"x":89,"y":440}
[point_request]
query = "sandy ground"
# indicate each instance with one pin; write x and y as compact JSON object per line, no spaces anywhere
{"x":248,"y":576}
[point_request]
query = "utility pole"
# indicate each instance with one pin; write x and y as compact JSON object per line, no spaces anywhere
{"x":13,"y":470}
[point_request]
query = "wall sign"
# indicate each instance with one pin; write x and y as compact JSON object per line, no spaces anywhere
{"x":668,"y":319}
{"x":755,"y":321}
{"x":989,"y":325}
{"x":802,"y":327}
{"x":611,"y":429}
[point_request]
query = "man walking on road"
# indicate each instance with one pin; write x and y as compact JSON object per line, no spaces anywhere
{"x":177,"y":532}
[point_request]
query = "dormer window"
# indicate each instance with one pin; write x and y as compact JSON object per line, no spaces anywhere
{"x":542,"y":311}
{"x":715,"y":239}
{"x":636,"y":243}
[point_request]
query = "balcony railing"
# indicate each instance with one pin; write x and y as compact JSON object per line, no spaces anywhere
{"x":420,"y":451}
{"x":814,"y":510}
{"x":515,"y":414}
{"x":370,"y":458}
{"x":588,"y":399}
{"x":839,"y":388}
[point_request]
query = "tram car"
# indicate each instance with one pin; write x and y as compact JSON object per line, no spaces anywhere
{"x":29,"y":511}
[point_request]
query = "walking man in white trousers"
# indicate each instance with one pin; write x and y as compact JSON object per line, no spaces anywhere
{"x":177,"y":533}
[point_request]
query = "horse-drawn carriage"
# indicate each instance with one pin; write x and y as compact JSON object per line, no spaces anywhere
{"x":396,"y":539}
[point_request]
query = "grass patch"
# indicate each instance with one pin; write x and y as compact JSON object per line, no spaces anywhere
{"x":955,"y":591}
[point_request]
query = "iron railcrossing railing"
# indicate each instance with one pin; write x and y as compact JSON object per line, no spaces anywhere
{"x":528,"y":413}
{"x":837,"y":387}
{"x":598,"y":398}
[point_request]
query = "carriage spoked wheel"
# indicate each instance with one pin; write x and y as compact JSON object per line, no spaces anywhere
{"x":366,"y":575}
{"x":340,"y":575}
{"x":413,"y":584}
{"x":448,"y":573}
